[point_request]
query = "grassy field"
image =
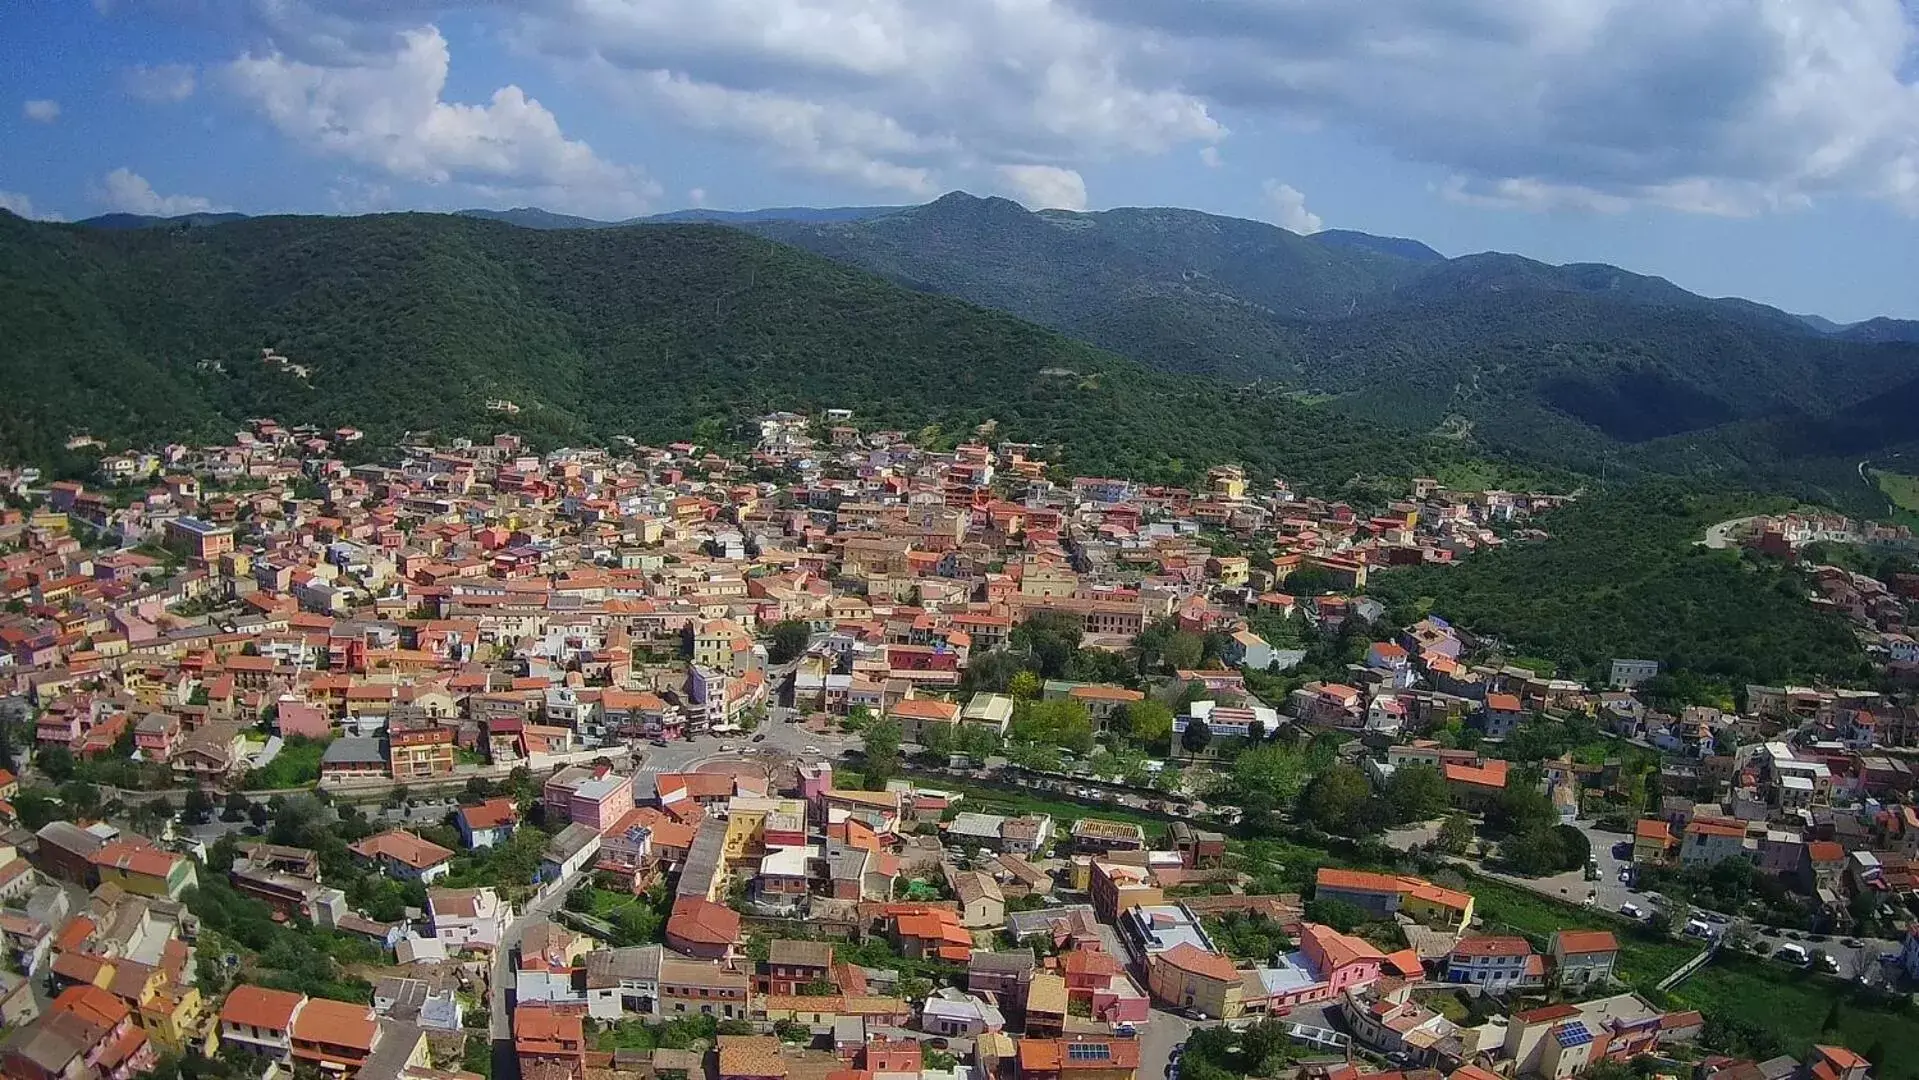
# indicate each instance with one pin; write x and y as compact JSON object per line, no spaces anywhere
{"x":982,"y":799}
{"x":1796,"y":1004}
{"x":1643,"y":958}
{"x":1903,"y":490}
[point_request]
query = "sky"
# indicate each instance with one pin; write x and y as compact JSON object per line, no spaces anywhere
{"x":1758,"y":148}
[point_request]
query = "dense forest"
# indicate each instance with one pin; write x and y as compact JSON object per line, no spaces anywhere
{"x":1589,"y":366}
{"x":1622,"y":577}
{"x":407,"y":322}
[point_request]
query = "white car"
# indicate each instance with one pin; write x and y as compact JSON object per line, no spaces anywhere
{"x":727,"y":748}
{"x":1631,"y":910}
{"x":809,"y":750}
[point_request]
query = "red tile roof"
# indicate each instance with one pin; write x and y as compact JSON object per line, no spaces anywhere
{"x":260,"y":1007}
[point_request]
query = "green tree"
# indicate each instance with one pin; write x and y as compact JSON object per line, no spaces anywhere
{"x":1273,"y":769}
{"x":1024,"y":685}
{"x":1196,"y":737}
{"x":882,"y":752}
{"x":1417,"y":792}
{"x":1051,"y":637}
{"x":1147,"y":723}
{"x":789,"y":640}
{"x":1341,"y":915}
{"x":56,"y":762}
{"x":1183,"y":651}
{"x":1336,"y":800}
{"x":198,"y":808}
{"x":1455,"y":834}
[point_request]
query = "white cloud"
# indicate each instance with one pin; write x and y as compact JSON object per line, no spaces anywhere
{"x":388,"y":113}
{"x":41,"y":110}
{"x":160,"y":84}
{"x":1287,"y":207}
{"x":128,"y":192}
{"x":1045,"y":187}
{"x":1209,"y":156}
{"x":909,"y":95}
{"x":854,"y":144}
{"x":1716,"y":106}
{"x":23,"y":205}
{"x":696,"y":197}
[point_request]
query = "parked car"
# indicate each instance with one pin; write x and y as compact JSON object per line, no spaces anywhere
{"x":1852,"y":943}
{"x":1631,"y":910}
{"x":1793,"y":954}
{"x":809,"y":750}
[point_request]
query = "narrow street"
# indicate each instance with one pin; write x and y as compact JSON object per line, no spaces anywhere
{"x":506,"y":1066}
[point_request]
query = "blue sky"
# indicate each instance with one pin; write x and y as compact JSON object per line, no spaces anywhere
{"x":1762,"y":148}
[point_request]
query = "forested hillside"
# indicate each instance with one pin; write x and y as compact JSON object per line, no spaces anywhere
{"x":412,"y":321}
{"x":1582,"y":363}
{"x":1622,"y":577}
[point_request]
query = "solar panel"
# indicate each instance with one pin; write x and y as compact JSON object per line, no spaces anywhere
{"x":1088,"y":1051}
{"x":1571,"y":1035}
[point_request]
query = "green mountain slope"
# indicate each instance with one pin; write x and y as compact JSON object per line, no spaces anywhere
{"x":412,"y":321}
{"x":1574,"y":360}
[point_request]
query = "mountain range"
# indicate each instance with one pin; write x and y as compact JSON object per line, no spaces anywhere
{"x":400,"y":323}
{"x":1584,"y":365}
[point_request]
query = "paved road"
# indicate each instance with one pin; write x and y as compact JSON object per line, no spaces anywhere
{"x":1720,"y":536}
{"x":1611,"y":893}
{"x":1163,"y":1031}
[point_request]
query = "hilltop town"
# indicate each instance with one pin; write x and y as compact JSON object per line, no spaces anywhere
{"x":845,"y":752}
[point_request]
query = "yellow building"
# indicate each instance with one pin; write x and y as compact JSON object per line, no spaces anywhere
{"x":176,"y":1017}
{"x":1189,"y":977}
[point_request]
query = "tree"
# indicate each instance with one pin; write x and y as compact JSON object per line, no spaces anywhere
{"x":1063,"y":722}
{"x":81,"y":799}
{"x":1338,"y":914}
{"x":789,"y":640}
{"x":1052,"y":637}
{"x":1455,"y":834}
{"x":1417,"y":792}
{"x":1183,"y":651}
{"x":1521,"y":808}
{"x":198,"y":808}
{"x":1533,"y":852}
{"x":882,"y":739}
{"x":1336,"y":800}
{"x":1273,"y":769}
{"x":1196,"y":736}
{"x":1024,"y":685}
{"x":236,"y":807}
{"x":258,"y":815}
{"x":56,"y":762}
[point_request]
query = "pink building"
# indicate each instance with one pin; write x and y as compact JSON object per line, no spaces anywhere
{"x":596,"y":797}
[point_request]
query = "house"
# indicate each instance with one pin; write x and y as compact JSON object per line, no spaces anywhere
{"x":690,"y":987}
{"x":401,"y":854}
{"x":1198,"y":849}
{"x":1709,"y":842}
{"x":929,"y":930}
{"x":1190,"y":977}
{"x":1096,"y":835}
{"x":1327,"y":964}
{"x":981,"y":902}
{"x":1001,"y":978}
{"x":1503,"y":715}
{"x":792,"y":964}
{"x":1652,"y":842}
{"x":951,"y":1012}
{"x":87,"y":1034}
{"x":1495,"y":963}
{"x":488,"y":823}
{"x":468,"y":918}
{"x":141,"y":868}
{"x":1077,"y":1057}
{"x":700,"y":927}
{"x":748,"y":1057}
{"x":353,"y":757}
{"x":334,"y":1036}
{"x":420,"y":753}
{"x":1582,"y":957}
{"x":595,"y":797}
{"x":1384,"y":895}
{"x":65,"y":852}
{"x":1472,"y":787}
{"x":259,"y":1021}
{"x":550,"y":1042}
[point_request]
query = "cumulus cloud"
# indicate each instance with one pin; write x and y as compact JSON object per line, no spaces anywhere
{"x":388,"y":113}
{"x":909,"y":95}
{"x":41,"y":110}
{"x":1719,"y":107}
{"x":128,"y":192}
{"x":160,"y":84}
{"x":1045,"y":187}
{"x":1287,"y":207}
{"x":23,"y":205}
{"x":1730,"y":107}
